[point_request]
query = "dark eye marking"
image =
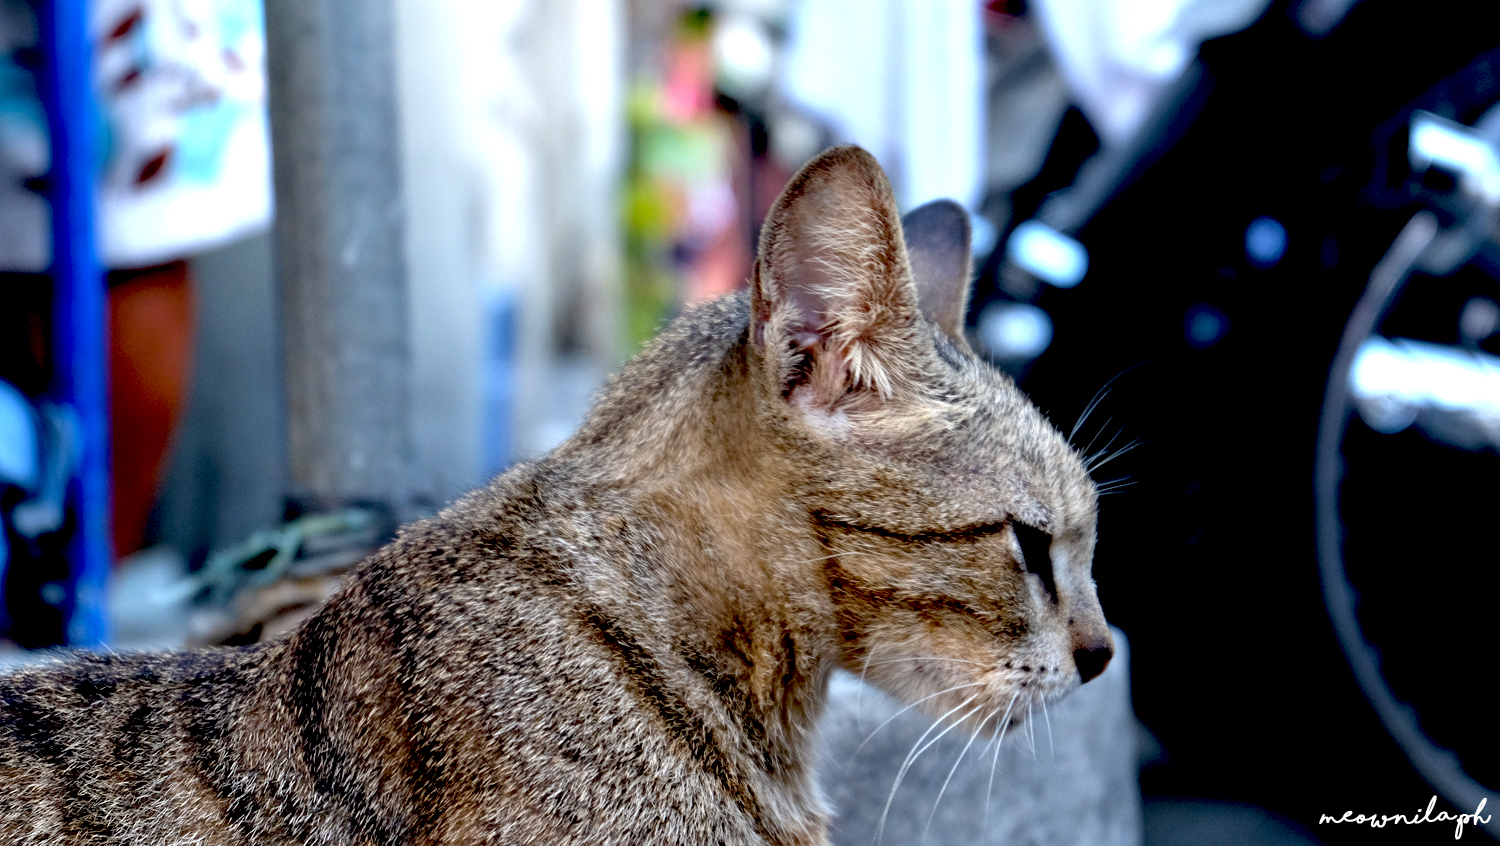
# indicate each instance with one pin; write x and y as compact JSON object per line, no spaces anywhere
{"x":947,"y":353}
{"x":1035,"y":544}
{"x":1036,"y":555}
{"x":956,"y":535}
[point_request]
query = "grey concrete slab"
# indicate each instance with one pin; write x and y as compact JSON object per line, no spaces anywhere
{"x":1075,"y":784}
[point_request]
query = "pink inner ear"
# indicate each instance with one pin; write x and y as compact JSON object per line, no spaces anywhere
{"x":808,"y":283}
{"x":805,"y":339}
{"x":826,"y":380}
{"x":832,"y":263}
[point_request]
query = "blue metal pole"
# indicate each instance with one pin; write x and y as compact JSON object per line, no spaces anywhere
{"x":79,"y":340}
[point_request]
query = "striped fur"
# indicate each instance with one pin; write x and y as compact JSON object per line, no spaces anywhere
{"x":628,"y":641}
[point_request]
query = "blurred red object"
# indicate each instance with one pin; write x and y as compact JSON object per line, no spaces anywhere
{"x":150,"y":365}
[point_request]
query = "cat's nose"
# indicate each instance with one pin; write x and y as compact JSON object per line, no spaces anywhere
{"x":1092,"y":656}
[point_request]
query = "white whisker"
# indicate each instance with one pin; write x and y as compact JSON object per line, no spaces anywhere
{"x":1099,"y":461}
{"x":1051,"y":750}
{"x":1104,"y":450}
{"x":1088,"y":409}
{"x":951,"y":771}
{"x":1113,"y":487}
{"x":1088,"y":450}
{"x":859,"y":696}
{"x":872,"y":734}
{"x":1030,"y":736}
{"x":916,"y":750}
{"x":1099,"y":396}
{"x":999,"y":742}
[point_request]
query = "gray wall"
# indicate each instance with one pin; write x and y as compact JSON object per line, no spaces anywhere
{"x":227,"y":469}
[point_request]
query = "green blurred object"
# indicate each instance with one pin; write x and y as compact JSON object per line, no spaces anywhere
{"x":677,"y":150}
{"x":269,"y":555}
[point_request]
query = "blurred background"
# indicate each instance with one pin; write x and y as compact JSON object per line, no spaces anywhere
{"x":275,"y":279}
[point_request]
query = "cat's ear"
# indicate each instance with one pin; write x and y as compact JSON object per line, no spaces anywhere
{"x":832,"y":299}
{"x":937,"y":245}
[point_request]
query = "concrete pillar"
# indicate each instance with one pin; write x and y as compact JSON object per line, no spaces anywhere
{"x":340,"y":250}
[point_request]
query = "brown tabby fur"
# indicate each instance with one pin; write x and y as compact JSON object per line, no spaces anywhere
{"x":628,"y":641}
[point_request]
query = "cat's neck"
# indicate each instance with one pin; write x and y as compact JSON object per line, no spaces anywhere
{"x":731,"y":579}
{"x":678,"y":406}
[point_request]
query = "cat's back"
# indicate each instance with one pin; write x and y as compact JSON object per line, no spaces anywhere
{"x":478,"y":677}
{"x":90,"y":743}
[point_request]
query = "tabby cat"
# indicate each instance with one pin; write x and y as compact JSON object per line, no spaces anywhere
{"x":629,"y":640}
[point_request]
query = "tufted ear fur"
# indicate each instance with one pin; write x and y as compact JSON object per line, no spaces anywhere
{"x":833,"y":298}
{"x":937,"y":245}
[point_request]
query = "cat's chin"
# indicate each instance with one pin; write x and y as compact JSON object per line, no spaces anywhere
{"x":994,"y":727}
{"x":994,"y":702}
{"x":1006,"y":712}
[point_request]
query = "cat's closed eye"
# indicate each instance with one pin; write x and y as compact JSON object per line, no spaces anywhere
{"x":1036,"y":555}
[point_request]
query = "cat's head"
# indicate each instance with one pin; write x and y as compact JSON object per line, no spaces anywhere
{"x":958,"y":524}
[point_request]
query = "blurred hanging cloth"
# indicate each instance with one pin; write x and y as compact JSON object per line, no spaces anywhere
{"x":182,"y":87}
{"x":24,"y":147}
{"x":902,"y":78}
{"x":185,"y":147}
{"x":1120,"y":56}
